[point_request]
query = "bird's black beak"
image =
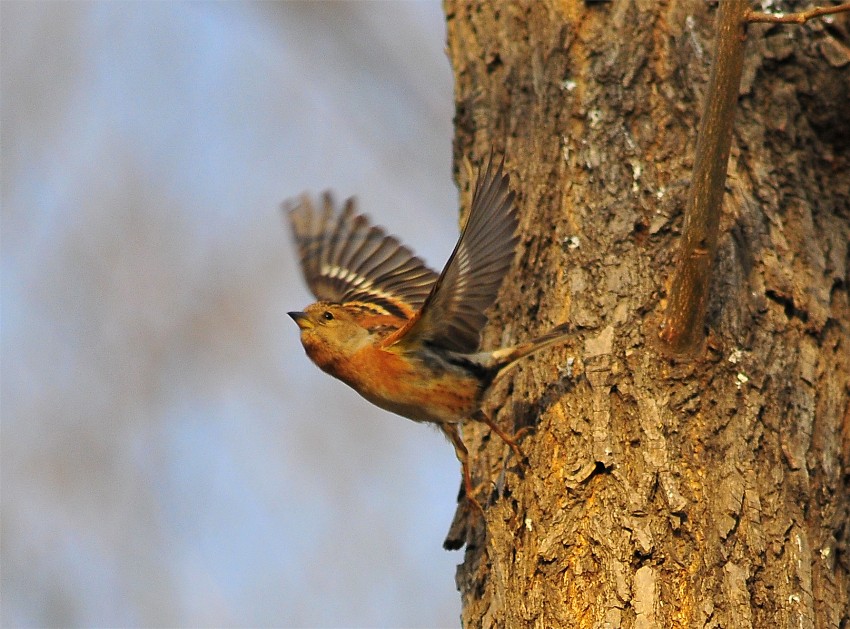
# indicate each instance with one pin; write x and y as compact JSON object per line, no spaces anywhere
{"x":301,"y":319}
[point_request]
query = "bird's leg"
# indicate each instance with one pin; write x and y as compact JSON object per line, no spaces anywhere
{"x":452,"y":432}
{"x":511,"y":440}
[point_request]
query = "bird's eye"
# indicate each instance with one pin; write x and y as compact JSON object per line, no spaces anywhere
{"x":328,"y":315}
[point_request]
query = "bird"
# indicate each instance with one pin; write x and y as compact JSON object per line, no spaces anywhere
{"x":403,"y":337}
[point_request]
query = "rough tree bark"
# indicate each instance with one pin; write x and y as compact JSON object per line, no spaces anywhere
{"x":658,"y":492}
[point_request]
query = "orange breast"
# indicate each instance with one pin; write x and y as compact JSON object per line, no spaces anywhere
{"x":404,"y":385}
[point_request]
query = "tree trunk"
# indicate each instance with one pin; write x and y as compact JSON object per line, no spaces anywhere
{"x":660,"y":492}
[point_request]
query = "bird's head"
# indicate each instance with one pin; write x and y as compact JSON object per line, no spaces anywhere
{"x":330,"y":331}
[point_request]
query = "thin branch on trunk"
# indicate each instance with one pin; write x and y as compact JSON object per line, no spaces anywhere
{"x":685,"y":316}
{"x":795,"y":18}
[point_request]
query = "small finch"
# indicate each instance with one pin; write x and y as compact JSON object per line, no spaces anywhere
{"x":389,"y":327}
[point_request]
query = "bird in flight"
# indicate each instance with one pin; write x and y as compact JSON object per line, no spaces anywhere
{"x":403,"y":337}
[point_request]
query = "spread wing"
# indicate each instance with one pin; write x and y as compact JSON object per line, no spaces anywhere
{"x":453,"y":314}
{"x":346,"y":259}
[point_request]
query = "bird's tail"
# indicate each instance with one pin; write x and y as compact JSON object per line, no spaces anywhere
{"x":503,"y":359}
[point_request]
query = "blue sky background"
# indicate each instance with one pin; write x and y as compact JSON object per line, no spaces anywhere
{"x":169,"y":454}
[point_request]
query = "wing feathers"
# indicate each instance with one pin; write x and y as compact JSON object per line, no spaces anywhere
{"x":344,"y":258}
{"x":453,"y":314}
